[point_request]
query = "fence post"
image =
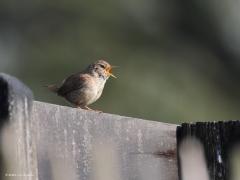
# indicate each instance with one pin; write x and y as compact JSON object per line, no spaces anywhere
{"x":17,"y":149}
{"x":216,"y":143}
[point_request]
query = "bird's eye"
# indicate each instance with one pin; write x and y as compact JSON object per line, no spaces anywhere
{"x":102,"y":66}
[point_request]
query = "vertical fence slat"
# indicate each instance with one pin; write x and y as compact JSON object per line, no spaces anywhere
{"x":17,"y":148}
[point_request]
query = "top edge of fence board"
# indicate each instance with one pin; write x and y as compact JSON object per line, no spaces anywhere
{"x":87,"y":112}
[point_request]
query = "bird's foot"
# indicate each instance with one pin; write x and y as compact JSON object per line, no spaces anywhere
{"x":88,"y":108}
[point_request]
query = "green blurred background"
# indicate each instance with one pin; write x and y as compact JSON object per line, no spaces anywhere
{"x":178,"y":61}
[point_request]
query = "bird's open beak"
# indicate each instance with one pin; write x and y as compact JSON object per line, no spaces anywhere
{"x":109,"y":71}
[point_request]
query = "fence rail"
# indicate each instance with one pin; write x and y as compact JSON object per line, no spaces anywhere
{"x":45,"y":141}
{"x":92,"y":145}
{"x":42,"y":141}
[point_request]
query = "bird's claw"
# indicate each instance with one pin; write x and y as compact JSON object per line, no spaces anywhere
{"x":87,"y":108}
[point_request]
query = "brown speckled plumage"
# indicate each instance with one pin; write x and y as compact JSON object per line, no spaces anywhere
{"x":84,"y":88}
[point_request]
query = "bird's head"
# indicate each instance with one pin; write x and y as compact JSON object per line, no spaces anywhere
{"x":102,"y":69}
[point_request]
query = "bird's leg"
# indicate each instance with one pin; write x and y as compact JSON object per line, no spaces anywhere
{"x":88,"y":108}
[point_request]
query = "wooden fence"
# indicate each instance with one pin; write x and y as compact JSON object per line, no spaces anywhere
{"x":50,"y":142}
{"x":41,"y":141}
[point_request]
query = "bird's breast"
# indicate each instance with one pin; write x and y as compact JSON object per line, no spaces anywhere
{"x":97,"y":89}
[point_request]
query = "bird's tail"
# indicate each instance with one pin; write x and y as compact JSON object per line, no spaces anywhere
{"x":52,"y":87}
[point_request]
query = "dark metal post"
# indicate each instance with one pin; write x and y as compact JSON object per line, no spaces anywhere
{"x":217,"y":139}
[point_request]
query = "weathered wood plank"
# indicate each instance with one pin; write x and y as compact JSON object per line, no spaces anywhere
{"x":51,"y":142}
{"x":17,"y":153}
{"x":76,"y":144}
